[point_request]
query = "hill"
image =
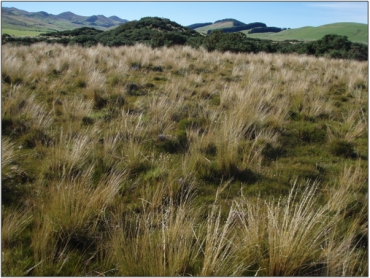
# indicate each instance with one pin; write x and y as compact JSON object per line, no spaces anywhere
{"x":227,"y":25}
{"x":356,"y":32}
{"x":149,"y":30}
{"x":23,"y":23}
{"x":157,"y":32}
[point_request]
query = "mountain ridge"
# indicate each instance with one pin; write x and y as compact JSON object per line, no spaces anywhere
{"x":23,"y":23}
{"x":21,"y":20}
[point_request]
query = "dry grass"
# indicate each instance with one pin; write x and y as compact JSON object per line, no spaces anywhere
{"x":176,"y":161}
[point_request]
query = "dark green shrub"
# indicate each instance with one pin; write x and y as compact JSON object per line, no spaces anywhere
{"x":133,"y":89}
{"x":13,"y":126}
{"x":271,"y":152}
{"x":81,"y":83}
{"x":35,"y":137}
{"x":87,"y":121}
{"x":99,"y":101}
{"x":6,"y":78}
{"x":343,"y":148}
{"x":6,"y":126}
{"x":173,"y":144}
{"x":210,"y":149}
{"x":309,"y":132}
{"x":214,"y":172}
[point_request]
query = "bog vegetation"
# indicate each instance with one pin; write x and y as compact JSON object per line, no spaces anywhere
{"x":146,"y":161}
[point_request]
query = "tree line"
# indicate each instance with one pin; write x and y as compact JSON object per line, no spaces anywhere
{"x":158,"y":32}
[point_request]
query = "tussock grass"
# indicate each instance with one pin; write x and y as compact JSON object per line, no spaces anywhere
{"x":177,"y":161}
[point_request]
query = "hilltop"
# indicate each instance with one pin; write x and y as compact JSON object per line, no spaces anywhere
{"x":229,"y":25}
{"x":154,"y":30}
{"x":23,"y":23}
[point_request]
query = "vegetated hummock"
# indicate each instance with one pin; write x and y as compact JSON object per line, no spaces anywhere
{"x":132,"y":160}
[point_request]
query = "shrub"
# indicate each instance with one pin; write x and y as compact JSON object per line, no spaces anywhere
{"x":99,"y":101}
{"x":87,"y":121}
{"x":173,"y":144}
{"x":343,"y":148}
{"x":133,"y":89}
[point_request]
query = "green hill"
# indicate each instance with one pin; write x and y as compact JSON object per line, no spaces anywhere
{"x":356,"y":32}
{"x":228,"y":25}
{"x":22,"y":23}
{"x":150,"y":30}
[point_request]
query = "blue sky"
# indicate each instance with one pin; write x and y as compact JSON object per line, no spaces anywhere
{"x":279,"y":14}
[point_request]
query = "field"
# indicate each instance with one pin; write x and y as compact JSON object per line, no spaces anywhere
{"x":214,"y":26}
{"x":175,"y":161}
{"x":20,"y":33}
{"x":355,"y":32}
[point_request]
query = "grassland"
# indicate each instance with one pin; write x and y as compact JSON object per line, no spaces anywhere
{"x":174,"y":161}
{"x":356,"y":32}
{"x":214,"y":26}
{"x":21,"y":33}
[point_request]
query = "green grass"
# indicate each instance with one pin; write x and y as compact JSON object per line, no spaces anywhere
{"x":355,"y":32}
{"x":20,"y":33}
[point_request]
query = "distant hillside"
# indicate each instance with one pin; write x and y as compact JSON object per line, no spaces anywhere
{"x":19,"y":22}
{"x":356,"y":32}
{"x":198,"y":25}
{"x":227,"y":25}
{"x":158,"y":32}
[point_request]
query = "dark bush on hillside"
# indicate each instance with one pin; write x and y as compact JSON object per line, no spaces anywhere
{"x":158,"y":32}
{"x":84,"y":40}
{"x":265,"y":30}
{"x":198,"y":25}
{"x":167,"y":39}
{"x":73,"y":33}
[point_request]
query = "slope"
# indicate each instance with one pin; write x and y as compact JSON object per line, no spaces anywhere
{"x":23,"y":23}
{"x":356,"y":32}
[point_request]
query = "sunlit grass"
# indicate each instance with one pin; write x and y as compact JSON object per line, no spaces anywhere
{"x":175,"y":161}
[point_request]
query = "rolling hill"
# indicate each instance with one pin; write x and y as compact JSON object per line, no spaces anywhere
{"x":227,"y":25}
{"x":23,"y":23}
{"x":356,"y":32}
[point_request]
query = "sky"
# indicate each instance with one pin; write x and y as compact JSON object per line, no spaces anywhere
{"x":277,"y":14}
